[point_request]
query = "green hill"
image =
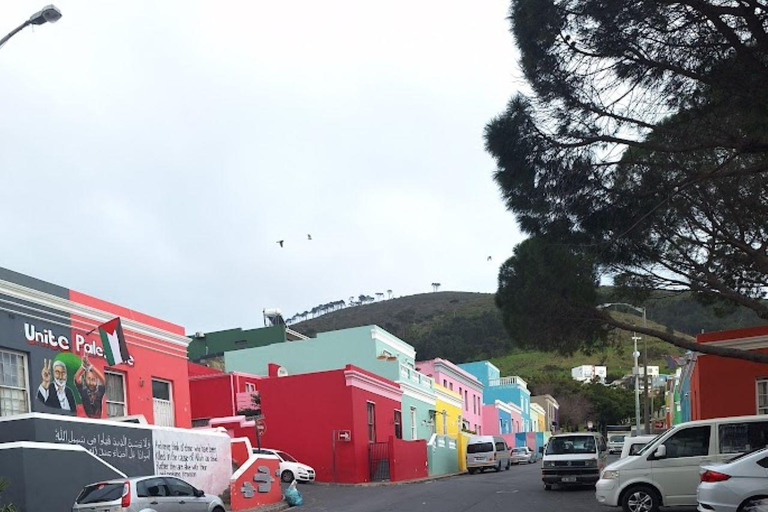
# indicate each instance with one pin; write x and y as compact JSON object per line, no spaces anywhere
{"x":463,"y":326}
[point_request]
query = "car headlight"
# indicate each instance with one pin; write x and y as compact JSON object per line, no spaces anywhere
{"x":590,"y":463}
{"x":610,"y":475}
{"x":549,"y":463}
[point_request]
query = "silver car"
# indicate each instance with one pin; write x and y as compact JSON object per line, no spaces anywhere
{"x":522,"y":455}
{"x":145,"y":494}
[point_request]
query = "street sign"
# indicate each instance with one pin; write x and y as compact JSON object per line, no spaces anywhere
{"x":345,"y":435}
{"x":261,"y":425}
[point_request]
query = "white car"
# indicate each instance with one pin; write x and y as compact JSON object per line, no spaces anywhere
{"x":290,"y":468}
{"x":522,"y":455}
{"x":633,"y":445}
{"x":738,"y":485}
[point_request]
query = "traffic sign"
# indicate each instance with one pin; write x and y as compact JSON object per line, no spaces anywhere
{"x":345,"y":435}
{"x":261,"y":425}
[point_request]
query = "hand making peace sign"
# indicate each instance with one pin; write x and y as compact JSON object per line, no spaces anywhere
{"x":46,"y":373}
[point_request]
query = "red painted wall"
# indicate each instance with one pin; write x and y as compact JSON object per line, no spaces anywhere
{"x":302,"y":411}
{"x":196,"y":370}
{"x":725,"y":387}
{"x":408,"y":460}
{"x":153,"y":358}
{"x":212,"y":396}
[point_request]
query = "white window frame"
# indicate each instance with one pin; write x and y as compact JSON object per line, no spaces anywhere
{"x":250,"y":387}
{"x":445,"y":422}
{"x":25,"y":363}
{"x":413,"y":423}
{"x":758,"y":382}
{"x":125,"y":393}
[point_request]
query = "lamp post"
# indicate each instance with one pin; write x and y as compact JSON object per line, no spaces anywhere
{"x":646,"y":410}
{"x":635,"y":372}
{"x":48,"y":14}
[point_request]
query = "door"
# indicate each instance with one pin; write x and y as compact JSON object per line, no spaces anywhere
{"x":162,"y":403}
{"x":677,"y":473}
{"x":153,"y":493}
{"x":184,"y":495}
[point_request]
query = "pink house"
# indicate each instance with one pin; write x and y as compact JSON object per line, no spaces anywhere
{"x":464,"y":383}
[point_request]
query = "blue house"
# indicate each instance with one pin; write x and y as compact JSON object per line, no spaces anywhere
{"x":505,"y":389}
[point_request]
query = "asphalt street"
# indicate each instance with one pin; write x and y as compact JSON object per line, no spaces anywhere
{"x":520,"y":488}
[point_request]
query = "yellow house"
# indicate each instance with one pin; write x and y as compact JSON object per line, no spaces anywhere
{"x":448,"y":420}
{"x":538,"y":418}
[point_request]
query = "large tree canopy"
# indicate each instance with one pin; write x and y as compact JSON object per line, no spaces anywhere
{"x":640,"y":152}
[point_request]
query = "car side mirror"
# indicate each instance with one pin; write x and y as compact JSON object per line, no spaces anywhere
{"x":661,"y":452}
{"x":199,"y":493}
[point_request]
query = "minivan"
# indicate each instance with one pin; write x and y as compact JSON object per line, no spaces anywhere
{"x":486,"y":452}
{"x":576,"y":458}
{"x":666,"y":472}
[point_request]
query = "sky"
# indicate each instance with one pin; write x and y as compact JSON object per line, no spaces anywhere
{"x":153,"y":153}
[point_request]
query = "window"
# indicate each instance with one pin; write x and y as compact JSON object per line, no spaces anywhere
{"x":742,"y":437}
{"x":445,"y":383}
{"x":152,"y":487}
{"x":445,"y":423}
{"x":689,"y":442}
{"x":466,"y":401}
{"x":115,"y":388}
{"x":450,"y":386}
{"x":371,"y":422}
{"x":398,"y":424}
{"x":762,"y":396}
{"x":413,"y":423}
{"x":250,"y":387}
{"x":500,"y":446}
{"x":14,"y":395}
{"x":203,"y":422}
{"x":179,"y":487}
{"x":162,"y":403}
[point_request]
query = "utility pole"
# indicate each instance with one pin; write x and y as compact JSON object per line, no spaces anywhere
{"x":635,"y":356}
{"x":646,"y":404}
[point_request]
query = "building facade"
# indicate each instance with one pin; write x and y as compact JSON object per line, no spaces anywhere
{"x":510,"y":390}
{"x":551,"y":411}
{"x":724,"y":386}
{"x":216,"y":394}
{"x":370,"y":348}
{"x":468,"y":387}
{"x":538,"y":418}
{"x":54,"y":360}
{"x":590,"y":372}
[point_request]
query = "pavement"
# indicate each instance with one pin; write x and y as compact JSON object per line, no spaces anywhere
{"x":520,"y":488}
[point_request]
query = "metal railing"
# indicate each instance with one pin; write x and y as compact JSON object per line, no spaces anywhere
{"x":508,"y":381}
{"x":410,"y":375}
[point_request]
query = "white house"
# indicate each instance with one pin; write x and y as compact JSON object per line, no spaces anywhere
{"x":588,"y":372}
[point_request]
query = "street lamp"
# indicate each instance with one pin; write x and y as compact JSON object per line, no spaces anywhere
{"x":48,"y":14}
{"x":646,"y":411}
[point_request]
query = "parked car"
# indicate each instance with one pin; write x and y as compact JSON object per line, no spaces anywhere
{"x":290,"y":468}
{"x":738,"y":485}
{"x":633,"y":445}
{"x":522,"y":455}
{"x":573,"y":459}
{"x":666,"y":471}
{"x":616,"y":441}
{"x":143,"y":494}
{"x":486,"y":452}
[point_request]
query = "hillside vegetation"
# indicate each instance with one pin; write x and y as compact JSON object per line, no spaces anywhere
{"x":463,"y":326}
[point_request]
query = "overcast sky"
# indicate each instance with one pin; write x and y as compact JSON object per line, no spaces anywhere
{"x":153,"y":152}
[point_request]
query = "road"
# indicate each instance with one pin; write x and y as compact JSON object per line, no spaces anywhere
{"x":520,"y":488}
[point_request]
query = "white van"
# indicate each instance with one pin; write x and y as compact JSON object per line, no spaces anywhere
{"x":485,"y":452}
{"x":573,"y":459}
{"x":666,"y":471}
{"x":633,"y":445}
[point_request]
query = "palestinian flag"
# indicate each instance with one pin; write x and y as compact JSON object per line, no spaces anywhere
{"x":113,"y":341}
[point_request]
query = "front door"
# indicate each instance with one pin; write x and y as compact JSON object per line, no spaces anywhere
{"x":184,"y":495}
{"x":677,"y":473}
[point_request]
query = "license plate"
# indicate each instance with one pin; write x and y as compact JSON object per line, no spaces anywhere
{"x":479,"y":459}
{"x":568,"y":479}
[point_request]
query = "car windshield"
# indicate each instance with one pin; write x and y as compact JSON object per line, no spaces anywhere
{"x":571,"y":444}
{"x":287,"y":457}
{"x":616,"y":439}
{"x":99,"y":493}
{"x":650,"y":443}
{"x":480,"y":447}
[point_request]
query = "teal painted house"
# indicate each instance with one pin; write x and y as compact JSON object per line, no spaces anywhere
{"x":369,"y":347}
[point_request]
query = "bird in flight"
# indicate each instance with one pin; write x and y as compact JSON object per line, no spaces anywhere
{"x":309,"y":237}
{"x":281,"y":242}
{"x":489,"y":258}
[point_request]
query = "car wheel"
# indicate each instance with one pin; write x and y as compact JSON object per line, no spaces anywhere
{"x":286,"y":476}
{"x":509,"y":465}
{"x":640,"y":499}
{"x":472,"y":471}
{"x":218,"y":509}
{"x":547,"y":487}
{"x":498,"y":467}
{"x":754,"y":504}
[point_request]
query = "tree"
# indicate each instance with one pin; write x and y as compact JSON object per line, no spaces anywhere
{"x":640,"y":154}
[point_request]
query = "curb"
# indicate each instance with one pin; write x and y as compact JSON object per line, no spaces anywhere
{"x":387,"y":483}
{"x":275,"y":507}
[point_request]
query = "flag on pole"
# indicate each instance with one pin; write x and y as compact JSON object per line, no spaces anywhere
{"x":113,"y":341}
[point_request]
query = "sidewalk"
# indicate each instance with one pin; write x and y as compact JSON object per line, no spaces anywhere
{"x":275,"y":507}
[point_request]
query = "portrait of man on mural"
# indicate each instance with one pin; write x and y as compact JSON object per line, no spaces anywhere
{"x":56,"y":394}
{"x":90,"y":382}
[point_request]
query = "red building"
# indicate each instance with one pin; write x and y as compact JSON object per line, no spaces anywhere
{"x":345,"y":423}
{"x":730,"y":387}
{"x":48,"y":332}
{"x":216,"y":394}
